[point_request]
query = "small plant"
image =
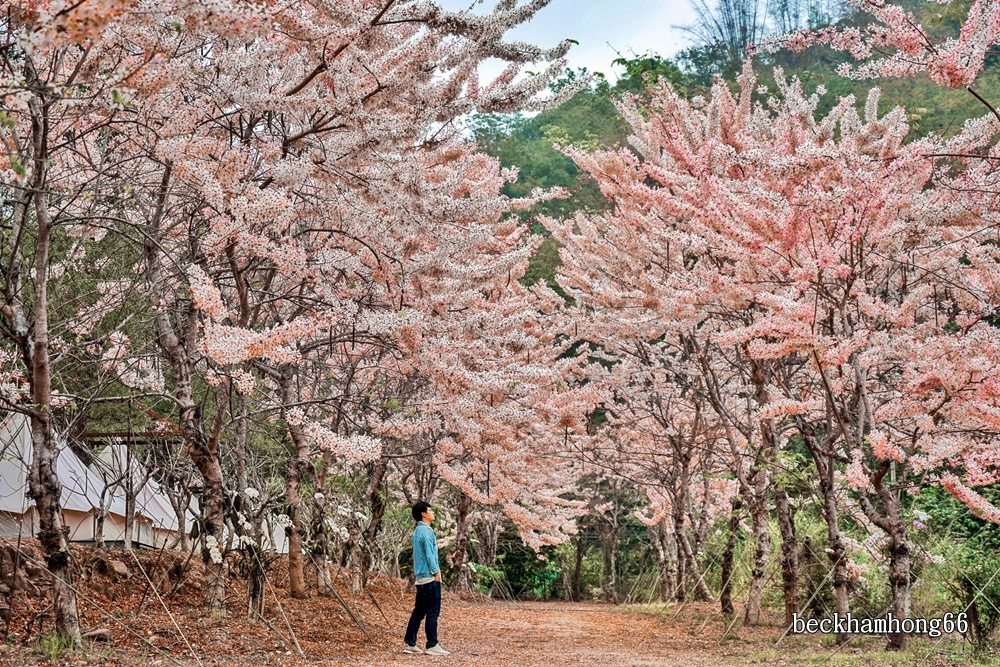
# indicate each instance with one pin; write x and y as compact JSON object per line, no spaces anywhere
{"x":486,"y":579}
{"x":52,"y":645}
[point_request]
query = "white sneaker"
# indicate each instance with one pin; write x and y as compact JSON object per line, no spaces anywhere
{"x":437,"y":650}
{"x":411,"y":649}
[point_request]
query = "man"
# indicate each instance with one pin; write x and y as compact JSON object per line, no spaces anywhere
{"x":427,"y":573}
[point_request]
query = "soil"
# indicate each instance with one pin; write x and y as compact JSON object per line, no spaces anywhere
{"x":555,"y":633}
{"x":159,"y":622}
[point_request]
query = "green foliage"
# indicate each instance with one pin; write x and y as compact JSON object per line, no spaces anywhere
{"x":53,"y":645}
{"x":589,"y":121}
{"x":704,"y":63}
{"x":530,"y":575}
{"x":968,"y":578}
{"x":976,"y":589}
{"x":543,"y":264}
{"x":643,"y":72}
{"x":487,"y":580}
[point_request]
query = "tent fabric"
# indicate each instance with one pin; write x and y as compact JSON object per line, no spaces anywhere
{"x":81,"y":488}
{"x":84,"y":492}
{"x":79,"y":496}
{"x":275,"y":538}
{"x":114,"y":464}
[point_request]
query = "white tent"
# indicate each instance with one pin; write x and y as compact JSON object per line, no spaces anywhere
{"x":274,"y":536}
{"x":84,"y":492}
{"x":156,"y":521}
{"x":81,"y":488}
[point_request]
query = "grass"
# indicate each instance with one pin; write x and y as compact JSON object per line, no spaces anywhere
{"x":652,"y":609}
{"x":869,"y":652}
{"x":52,"y":645}
{"x":822,"y":650}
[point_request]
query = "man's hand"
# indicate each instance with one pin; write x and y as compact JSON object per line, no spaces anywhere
{"x":437,"y":576}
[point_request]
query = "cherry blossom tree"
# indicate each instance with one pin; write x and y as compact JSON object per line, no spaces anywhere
{"x":278,"y":167}
{"x":953,"y":61}
{"x":822,"y":282}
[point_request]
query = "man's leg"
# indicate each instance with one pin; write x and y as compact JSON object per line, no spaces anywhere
{"x":419,"y":611}
{"x":433,"y":610}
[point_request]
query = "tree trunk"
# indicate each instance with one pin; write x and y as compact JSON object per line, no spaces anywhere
{"x":99,"y":517}
{"x":321,"y":535}
{"x":354,"y":540}
{"x":611,"y":571}
{"x":53,"y":533}
{"x":462,"y":581}
{"x":565,"y":576}
{"x":762,"y":553}
{"x":660,"y":539}
{"x":296,"y":562}
{"x":488,"y":531}
{"x":825,"y":467}
{"x":377,"y":502}
{"x":726,"y":596}
{"x":422,"y":478}
{"x":204,"y":453}
{"x":130,"y":537}
{"x":241,"y":449}
{"x":256,"y":577}
{"x":789,"y":554}
{"x":890,"y":520}
{"x":701,"y":592}
{"x":298,"y":470}
{"x":43,"y":480}
{"x":899,"y":580}
{"x":256,"y":580}
{"x":680,"y":585}
{"x":786,"y":525}
{"x":838,"y":559}
{"x":362,"y":542}
{"x":609,"y":549}
{"x":180,"y":502}
{"x":578,"y":569}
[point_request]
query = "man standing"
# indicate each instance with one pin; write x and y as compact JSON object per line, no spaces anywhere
{"x":427,"y":573}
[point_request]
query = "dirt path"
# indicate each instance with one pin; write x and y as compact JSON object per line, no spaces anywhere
{"x":549,"y":633}
{"x":173,"y":631}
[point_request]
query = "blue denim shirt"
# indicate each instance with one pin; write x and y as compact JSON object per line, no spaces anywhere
{"x":425,"y":552}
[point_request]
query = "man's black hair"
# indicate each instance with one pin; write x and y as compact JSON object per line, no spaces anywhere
{"x":419,"y":509}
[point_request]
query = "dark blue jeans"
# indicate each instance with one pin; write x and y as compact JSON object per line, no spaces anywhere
{"x":428,"y":604}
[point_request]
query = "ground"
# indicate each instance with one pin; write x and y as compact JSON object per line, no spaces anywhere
{"x":486,"y":634}
{"x":554,"y":633}
{"x":160,"y":629}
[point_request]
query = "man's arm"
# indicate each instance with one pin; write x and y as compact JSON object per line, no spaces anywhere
{"x":418,"y":549}
{"x":430,"y":549}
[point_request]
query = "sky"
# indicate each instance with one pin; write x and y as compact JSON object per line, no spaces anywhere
{"x":603,"y":27}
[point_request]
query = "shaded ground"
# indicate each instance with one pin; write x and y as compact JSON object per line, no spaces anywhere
{"x":154,"y":629}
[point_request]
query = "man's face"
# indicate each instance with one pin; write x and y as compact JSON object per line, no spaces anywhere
{"x":428,"y":515}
